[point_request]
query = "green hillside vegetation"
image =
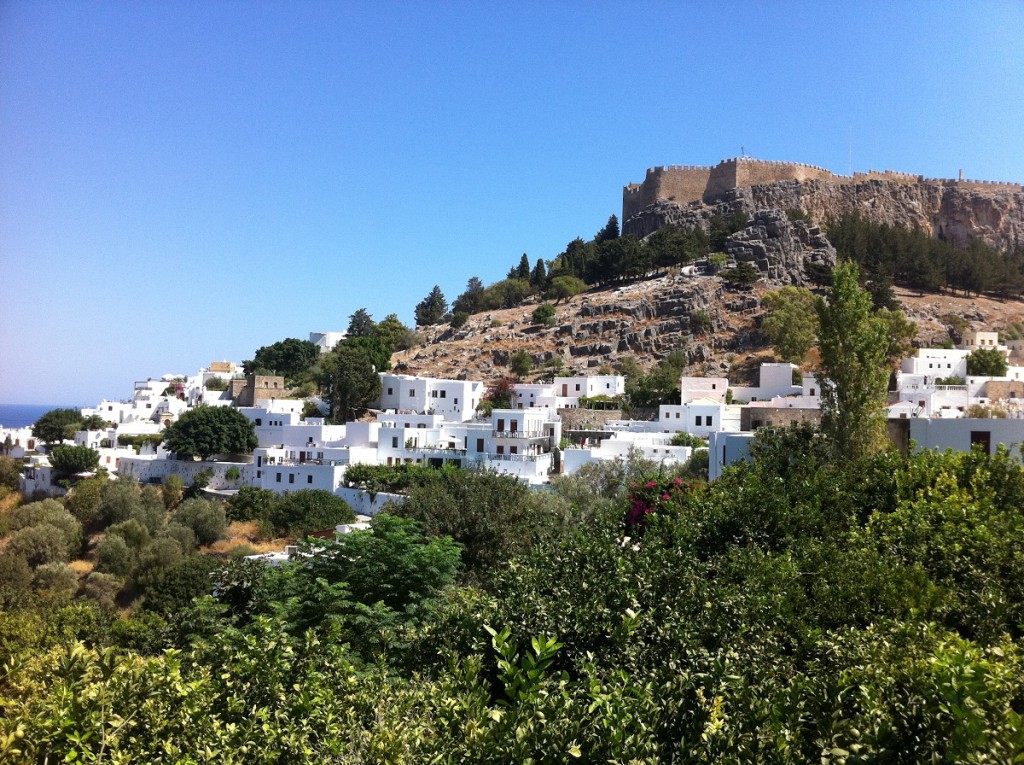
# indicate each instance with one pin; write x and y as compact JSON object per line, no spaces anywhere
{"x":802,"y":608}
{"x":912,"y":258}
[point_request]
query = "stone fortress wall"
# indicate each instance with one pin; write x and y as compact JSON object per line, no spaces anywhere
{"x":705,"y":183}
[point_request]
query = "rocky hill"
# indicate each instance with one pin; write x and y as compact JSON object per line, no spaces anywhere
{"x":715,"y":325}
{"x":649,"y":319}
{"x":994,"y":215}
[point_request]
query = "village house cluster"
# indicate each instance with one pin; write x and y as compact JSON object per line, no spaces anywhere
{"x":548,"y":430}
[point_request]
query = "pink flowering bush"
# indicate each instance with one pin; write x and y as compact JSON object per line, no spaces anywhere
{"x":655,"y":495}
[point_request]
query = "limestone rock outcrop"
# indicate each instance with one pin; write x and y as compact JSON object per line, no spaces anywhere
{"x":957,"y":213}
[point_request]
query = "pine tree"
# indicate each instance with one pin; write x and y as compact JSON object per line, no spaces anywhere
{"x":523,"y":269}
{"x":539,"y":276}
{"x":361,"y":324}
{"x":432,"y":308}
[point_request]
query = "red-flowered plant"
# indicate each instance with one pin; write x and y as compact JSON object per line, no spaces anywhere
{"x":654,"y":495}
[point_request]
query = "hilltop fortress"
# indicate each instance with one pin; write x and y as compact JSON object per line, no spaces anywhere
{"x":956,"y":208}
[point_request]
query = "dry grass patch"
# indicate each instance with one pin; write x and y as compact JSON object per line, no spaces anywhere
{"x":81,"y":567}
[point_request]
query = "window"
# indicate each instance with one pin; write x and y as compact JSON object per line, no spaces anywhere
{"x":696,"y":420}
{"x":501,"y":425}
{"x":259,"y":473}
{"x":577,"y":386}
{"x":291,"y":478}
{"x":501,"y":449}
{"x":412,"y":392}
{"x":456,"y":402}
{"x":707,"y":420}
{"x":479,"y":444}
{"x":444,"y":394}
{"x":513,"y":450}
{"x":278,"y":478}
{"x":812,"y":392}
{"x":394,"y":442}
{"x":309,"y":479}
{"x":259,"y":462}
{"x":982,"y":438}
{"x":391,"y":391}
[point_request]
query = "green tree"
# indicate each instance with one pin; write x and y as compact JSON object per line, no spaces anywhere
{"x":57,"y":425}
{"x":520,"y":363}
{"x":205,"y":518}
{"x":987,"y":362}
{"x":69,"y":460}
{"x":470,"y":301}
{"x":173,"y":489}
{"x":10,"y":474}
{"x":544,"y":314}
{"x":290,"y":358}
{"x":743,"y":274}
{"x":565,"y":288}
{"x":459,"y":319}
{"x":493,"y":517}
{"x":395,"y":335}
{"x":307,"y":510}
{"x":349,"y":380}
{"x":211,"y":430}
{"x":431,"y":308}
{"x":539,"y":275}
{"x":791,"y":324}
{"x":901,"y":332}
{"x":361,"y":324}
{"x":522,"y":271}
{"x":85,"y":498}
{"x":853,"y":346}
{"x":609,"y":232}
{"x":250,"y":503}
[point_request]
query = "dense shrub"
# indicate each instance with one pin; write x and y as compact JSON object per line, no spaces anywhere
{"x":205,"y":518}
{"x":251,"y":503}
{"x":115,"y":556}
{"x":85,"y":499}
{"x":121,"y":501}
{"x":15,"y":580}
{"x":169,"y":589}
{"x":55,"y":582}
{"x":39,"y":544}
{"x":172,"y":489}
{"x":309,"y":510}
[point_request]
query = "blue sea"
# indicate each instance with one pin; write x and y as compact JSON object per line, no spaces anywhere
{"x":20,"y":415}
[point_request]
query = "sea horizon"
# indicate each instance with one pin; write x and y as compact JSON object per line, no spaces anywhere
{"x":23,"y":415}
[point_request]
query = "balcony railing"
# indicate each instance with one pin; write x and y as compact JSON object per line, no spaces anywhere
{"x":436,"y":450}
{"x":519,"y":434}
{"x":286,"y":462}
{"x":519,"y":457}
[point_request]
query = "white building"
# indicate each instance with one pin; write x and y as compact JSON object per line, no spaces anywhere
{"x":455,"y":400}
{"x":774,"y":380}
{"x":937,"y":363}
{"x":326,"y":341}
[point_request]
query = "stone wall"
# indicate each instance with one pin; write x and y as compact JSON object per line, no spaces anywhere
{"x":944,"y":206}
{"x":587,"y":419}
{"x":1005,"y":390}
{"x":754,"y":417}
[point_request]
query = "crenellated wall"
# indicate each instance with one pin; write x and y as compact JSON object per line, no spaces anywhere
{"x":683,"y":184}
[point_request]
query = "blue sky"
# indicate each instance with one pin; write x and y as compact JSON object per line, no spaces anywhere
{"x":183,"y":182}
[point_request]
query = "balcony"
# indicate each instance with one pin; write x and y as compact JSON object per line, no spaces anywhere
{"x":286,"y":462}
{"x":519,"y":434}
{"x":444,"y":451}
{"x":519,"y":457}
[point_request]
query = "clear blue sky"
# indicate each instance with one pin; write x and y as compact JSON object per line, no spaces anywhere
{"x":182,"y":182}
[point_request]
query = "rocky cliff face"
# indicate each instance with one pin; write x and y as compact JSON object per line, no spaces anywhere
{"x":954,"y":212}
{"x":646,"y":320}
